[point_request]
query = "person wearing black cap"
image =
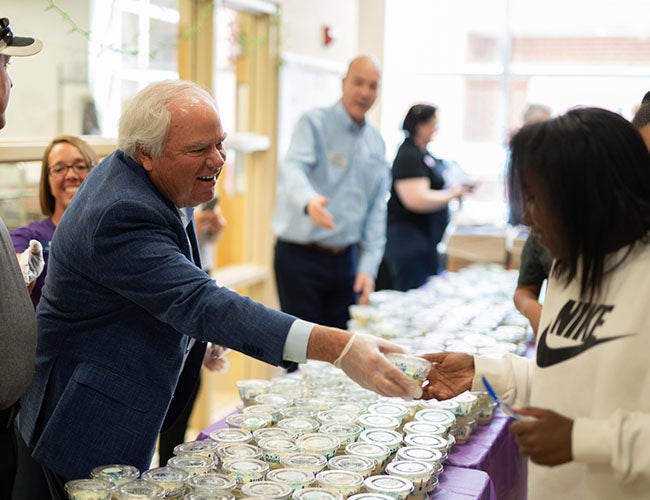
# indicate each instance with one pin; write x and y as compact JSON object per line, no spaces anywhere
{"x":12,"y":45}
{"x":18,"y":331}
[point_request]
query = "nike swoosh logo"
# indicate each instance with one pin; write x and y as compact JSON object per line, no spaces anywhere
{"x":549,"y":356}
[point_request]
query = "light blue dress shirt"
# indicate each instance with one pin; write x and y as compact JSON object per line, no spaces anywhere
{"x":332,"y":156}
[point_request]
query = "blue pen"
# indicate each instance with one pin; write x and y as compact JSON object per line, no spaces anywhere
{"x":505,"y":407}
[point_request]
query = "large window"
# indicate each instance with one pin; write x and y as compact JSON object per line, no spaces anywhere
{"x":482,"y":62}
{"x":133,"y":43}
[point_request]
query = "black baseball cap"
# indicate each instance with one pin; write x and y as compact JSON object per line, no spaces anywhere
{"x":13,"y":45}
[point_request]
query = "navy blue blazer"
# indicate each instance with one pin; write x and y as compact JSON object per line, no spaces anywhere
{"x":121,"y":300}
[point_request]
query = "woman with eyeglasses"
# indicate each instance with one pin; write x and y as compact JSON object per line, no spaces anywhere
{"x":66,"y":163}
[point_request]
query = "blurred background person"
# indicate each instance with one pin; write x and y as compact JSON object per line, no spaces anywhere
{"x":330,"y":214}
{"x":65,"y":165}
{"x":533,"y":113}
{"x":418,"y":208}
{"x":641,"y":119}
{"x":534,"y":269}
{"x":535,"y":261}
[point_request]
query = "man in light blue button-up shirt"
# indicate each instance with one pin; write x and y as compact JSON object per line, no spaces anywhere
{"x":330,"y":214}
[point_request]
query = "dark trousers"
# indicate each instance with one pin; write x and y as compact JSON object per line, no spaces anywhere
{"x":175,"y":434}
{"x":8,"y":458}
{"x":411,"y":257}
{"x":314,"y":285}
{"x":30,"y":479}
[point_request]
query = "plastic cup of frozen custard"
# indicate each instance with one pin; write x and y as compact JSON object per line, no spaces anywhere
{"x":88,"y":489}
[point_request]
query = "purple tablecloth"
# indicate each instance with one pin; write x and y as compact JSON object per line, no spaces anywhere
{"x":456,"y":483}
{"x":492,"y":448}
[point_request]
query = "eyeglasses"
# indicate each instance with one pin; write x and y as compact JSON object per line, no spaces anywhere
{"x":6,"y":35}
{"x":61,"y":168}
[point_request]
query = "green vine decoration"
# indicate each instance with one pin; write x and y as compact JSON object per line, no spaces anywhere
{"x":246,"y":46}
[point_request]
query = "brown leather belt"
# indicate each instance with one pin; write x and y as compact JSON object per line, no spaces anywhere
{"x":323,"y":249}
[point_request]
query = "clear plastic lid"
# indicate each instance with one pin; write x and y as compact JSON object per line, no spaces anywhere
{"x":278,"y":443}
{"x":353,"y":463}
{"x":377,"y":421}
{"x":197,"y":495}
{"x":273,"y":399}
{"x":319,"y":443}
{"x":335,"y":416}
{"x":299,"y":425}
{"x":115,"y":473}
{"x":353,"y":407}
{"x":138,"y":489}
{"x":418,"y":427}
{"x":436,"y":416}
{"x":267,"y":489}
{"x":273,"y":449}
{"x":347,"y":433}
{"x":388,"y":484}
{"x":303,"y":411}
{"x":232,"y":451}
{"x":387,"y":437}
{"x":427,"y":441}
{"x":270,"y":412}
{"x":396,"y":410}
{"x":245,"y":470}
{"x":339,"y":479}
{"x":253,"y":385}
{"x":370,"y":496}
{"x":212,"y":482}
{"x":449,"y":404}
{"x":316,"y":494}
{"x":419,"y":453}
{"x":170,"y":478}
{"x":247,"y":421}
{"x":80,"y":489}
{"x":410,"y":469}
{"x":205,"y":447}
{"x":291,"y":476}
{"x":312,"y":462}
{"x":375,"y":451}
{"x":194,"y":464}
{"x":232,"y":435}
{"x":272,"y":432}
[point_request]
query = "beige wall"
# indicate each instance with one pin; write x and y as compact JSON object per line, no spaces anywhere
{"x":34,"y":97}
{"x":302,"y":24}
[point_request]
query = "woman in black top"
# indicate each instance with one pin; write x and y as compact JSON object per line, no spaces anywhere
{"x":418,"y":211}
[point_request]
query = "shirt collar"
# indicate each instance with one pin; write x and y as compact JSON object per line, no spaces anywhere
{"x":185,"y":214}
{"x":348,"y":122}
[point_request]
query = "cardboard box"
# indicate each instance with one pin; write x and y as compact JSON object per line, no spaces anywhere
{"x":466,"y":245}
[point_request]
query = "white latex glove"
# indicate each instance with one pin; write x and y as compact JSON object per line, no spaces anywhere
{"x":363,"y":360}
{"x":31,"y":262}
{"x":214,"y":358}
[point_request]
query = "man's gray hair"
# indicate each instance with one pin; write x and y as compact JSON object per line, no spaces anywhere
{"x":144,"y":124}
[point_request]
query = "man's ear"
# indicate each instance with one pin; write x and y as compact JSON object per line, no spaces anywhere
{"x":145,"y":159}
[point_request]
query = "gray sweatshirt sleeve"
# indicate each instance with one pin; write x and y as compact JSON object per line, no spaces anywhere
{"x":17,"y":326}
